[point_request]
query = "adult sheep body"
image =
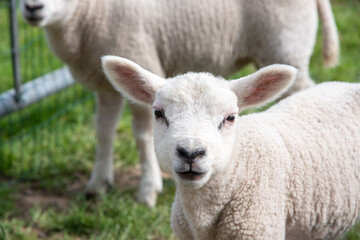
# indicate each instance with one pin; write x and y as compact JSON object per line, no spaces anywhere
{"x":171,"y":37}
{"x":290,"y":172}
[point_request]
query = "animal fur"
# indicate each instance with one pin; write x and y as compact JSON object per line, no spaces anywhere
{"x":168,"y":38}
{"x":290,"y":172}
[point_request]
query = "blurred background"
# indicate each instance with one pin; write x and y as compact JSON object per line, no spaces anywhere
{"x":47,"y":141}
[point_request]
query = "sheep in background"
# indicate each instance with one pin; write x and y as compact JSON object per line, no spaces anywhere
{"x":169,"y":37}
{"x":292,"y":171}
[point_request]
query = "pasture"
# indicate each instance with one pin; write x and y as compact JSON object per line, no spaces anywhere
{"x":41,"y":195}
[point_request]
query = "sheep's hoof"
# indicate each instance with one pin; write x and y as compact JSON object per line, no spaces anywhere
{"x":90,"y":196}
{"x":93,"y":191}
{"x":149,"y":199}
{"x":149,"y":189}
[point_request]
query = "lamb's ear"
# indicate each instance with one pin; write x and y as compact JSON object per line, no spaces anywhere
{"x":263,"y":86}
{"x":130,"y":79}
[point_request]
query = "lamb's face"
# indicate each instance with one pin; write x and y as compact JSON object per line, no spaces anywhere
{"x":44,"y":13}
{"x":195,"y":117}
{"x":196,"y":113}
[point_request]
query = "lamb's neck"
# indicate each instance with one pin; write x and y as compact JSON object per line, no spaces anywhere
{"x":203,"y":206}
{"x":71,"y":39}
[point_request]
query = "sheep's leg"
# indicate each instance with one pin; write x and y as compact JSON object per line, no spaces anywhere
{"x":109,"y":106}
{"x":151,"y":181}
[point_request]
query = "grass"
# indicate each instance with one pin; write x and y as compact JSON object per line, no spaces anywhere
{"x":31,"y":43}
{"x":46,"y":151}
{"x":115,"y":217}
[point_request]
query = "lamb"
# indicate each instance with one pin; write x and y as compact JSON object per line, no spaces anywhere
{"x":172,"y":37}
{"x":290,"y":172}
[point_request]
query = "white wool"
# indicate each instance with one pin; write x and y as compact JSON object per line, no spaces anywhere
{"x":292,"y":171}
{"x":168,"y":38}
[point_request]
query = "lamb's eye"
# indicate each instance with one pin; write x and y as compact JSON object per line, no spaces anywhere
{"x":230,"y":118}
{"x":158,"y":114}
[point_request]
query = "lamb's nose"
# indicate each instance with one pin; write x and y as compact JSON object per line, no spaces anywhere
{"x":190,"y":156}
{"x":33,"y":8}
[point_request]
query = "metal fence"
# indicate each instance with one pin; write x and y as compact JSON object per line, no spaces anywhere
{"x":32,"y":95}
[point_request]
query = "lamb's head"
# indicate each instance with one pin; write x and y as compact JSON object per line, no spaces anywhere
{"x":44,"y":13}
{"x":196,"y":114}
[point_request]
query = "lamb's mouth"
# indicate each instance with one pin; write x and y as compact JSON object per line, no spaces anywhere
{"x":191,"y":175}
{"x":34,"y":20}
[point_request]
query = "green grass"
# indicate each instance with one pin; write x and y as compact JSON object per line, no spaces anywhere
{"x":117,"y":216}
{"x":31,"y":44}
{"x":46,"y":151}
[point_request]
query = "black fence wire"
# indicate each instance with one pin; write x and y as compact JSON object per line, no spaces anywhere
{"x":30,"y":124}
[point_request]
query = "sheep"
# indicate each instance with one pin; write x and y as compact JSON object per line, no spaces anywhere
{"x":172,"y":37}
{"x":290,"y":172}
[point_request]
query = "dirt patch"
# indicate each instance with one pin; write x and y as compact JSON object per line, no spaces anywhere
{"x":36,"y":197}
{"x":30,"y":194}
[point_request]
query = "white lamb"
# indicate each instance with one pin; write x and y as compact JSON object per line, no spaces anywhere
{"x":291,"y":172}
{"x":169,"y":37}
